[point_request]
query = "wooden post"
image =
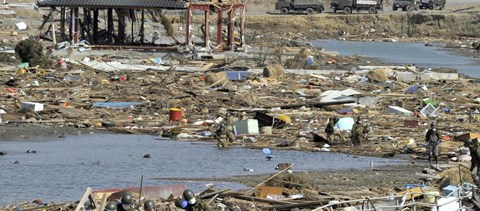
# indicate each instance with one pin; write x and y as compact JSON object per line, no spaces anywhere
{"x":110,"y":26}
{"x":95,"y":26}
{"x":187,"y":27}
{"x":54,"y":36}
{"x":132,"y":17}
{"x":141,"y":188}
{"x":142,"y":27}
{"x":76,"y":31}
{"x":63,"y":36}
{"x":206,"y":37}
{"x":70,"y":28}
{"x":121,"y":25}
{"x":219,"y":28}
{"x":230,"y":29}
{"x":242,"y":27}
{"x":87,"y":22}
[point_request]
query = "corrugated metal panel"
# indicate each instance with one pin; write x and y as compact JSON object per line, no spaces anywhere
{"x":165,"y":4}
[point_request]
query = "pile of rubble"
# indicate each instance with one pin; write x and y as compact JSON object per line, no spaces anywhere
{"x":275,"y":106}
{"x":135,"y":94}
{"x":287,"y":191}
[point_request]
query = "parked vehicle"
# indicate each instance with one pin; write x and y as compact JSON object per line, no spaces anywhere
{"x":432,"y":4}
{"x":372,"y":6}
{"x":308,"y":6}
{"x":405,"y":5}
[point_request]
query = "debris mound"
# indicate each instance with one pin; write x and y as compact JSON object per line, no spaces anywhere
{"x":452,"y":176}
{"x":274,"y":72}
{"x":378,"y":75}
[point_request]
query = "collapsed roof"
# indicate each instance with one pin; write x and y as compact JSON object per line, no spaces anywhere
{"x":145,"y":4}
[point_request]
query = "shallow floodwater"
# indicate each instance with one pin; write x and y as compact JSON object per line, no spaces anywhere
{"x":62,"y":168}
{"x":399,"y":53}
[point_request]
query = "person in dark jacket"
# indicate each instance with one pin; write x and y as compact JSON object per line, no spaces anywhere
{"x":473,"y":146}
{"x":357,"y":135}
{"x":330,"y":129}
{"x":433,"y":141}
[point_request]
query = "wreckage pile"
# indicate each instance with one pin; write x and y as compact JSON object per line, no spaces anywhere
{"x":114,"y":93}
{"x":275,"y":106}
{"x":280,"y":191}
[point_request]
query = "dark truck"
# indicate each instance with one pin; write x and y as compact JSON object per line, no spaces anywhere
{"x":308,"y":6}
{"x":405,"y":5}
{"x":372,"y":6}
{"x":432,"y":4}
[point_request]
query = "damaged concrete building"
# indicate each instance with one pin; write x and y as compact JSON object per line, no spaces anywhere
{"x":117,"y":23}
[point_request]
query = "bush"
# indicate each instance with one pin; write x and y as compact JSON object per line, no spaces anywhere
{"x":29,"y":49}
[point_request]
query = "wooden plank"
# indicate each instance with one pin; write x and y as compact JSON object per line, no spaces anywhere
{"x":311,"y":204}
{"x":411,"y":193}
{"x":84,"y":198}
{"x":104,"y":202}
{"x":255,"y":199}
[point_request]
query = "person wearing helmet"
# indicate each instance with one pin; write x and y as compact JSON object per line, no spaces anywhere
{"x":221,"y":135}
{"x":357,"y":135}
{"x":433,"y":141}
{"x":330,"y":129}
{"x":190,"y":202}
{"x":229,"y":121}
{"x":111,"y":206}
{"x":125,"y":203}
{"x":149,"y":205}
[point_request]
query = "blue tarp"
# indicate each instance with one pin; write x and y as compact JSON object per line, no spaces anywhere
{"x":116,"y":104}
{"x":237,"y":75}
{"x":345,"y":123}
{"x":412,"y":89}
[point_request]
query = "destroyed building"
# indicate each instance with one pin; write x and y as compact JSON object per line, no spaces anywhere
{"x":118,"y":23}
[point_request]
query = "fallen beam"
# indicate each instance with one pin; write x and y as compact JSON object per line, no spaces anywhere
{"x":318,"y":105}
{"x":255,"y":199}
{"x":310,"y":205}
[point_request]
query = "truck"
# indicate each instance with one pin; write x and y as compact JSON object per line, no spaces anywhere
{"x":372,"y":6}
{"x":308,"y":6}
{"x":432,"y":4}
{"x":405,"y":5}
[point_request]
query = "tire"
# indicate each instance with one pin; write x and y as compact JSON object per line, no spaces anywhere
{"x":347,"y":10}
{"x":335,"y":10}
{"x":408,"y":8}
{"x":404,"y":8}
{"x":372,"y":10}
{"x":442,"y":7}
{"x":320,"y":10}
{"x":284,"y":11}
{"x":309,"y":11}
{"x":394,"y":8}
{"x":430,"y":7}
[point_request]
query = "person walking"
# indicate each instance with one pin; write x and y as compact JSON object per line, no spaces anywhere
{"x":433,"y":141}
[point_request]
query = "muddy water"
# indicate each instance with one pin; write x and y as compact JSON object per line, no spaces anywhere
{"x":62,"y":168}
{"x":405,"y":53}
